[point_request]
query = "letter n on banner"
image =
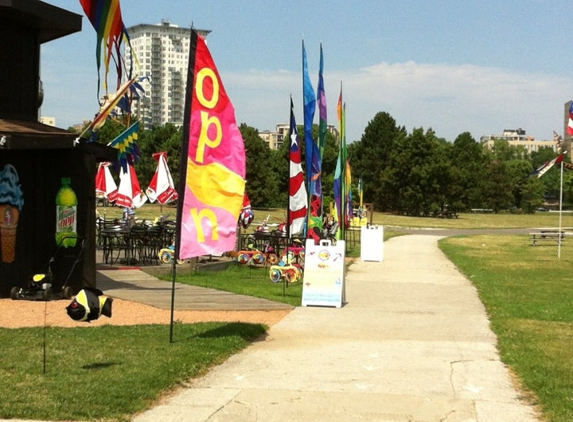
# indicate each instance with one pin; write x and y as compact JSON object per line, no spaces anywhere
{"x":212,"y":171}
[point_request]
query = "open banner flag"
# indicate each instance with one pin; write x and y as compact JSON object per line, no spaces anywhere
{"x":212,"y":173}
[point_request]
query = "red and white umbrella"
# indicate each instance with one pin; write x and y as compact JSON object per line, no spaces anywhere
{"x":104,"y":183}
{"x":161,"y":187}
{"x":129,"y":193}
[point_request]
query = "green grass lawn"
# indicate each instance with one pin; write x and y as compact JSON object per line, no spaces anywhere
{"x":107,"y":372}
{"x":464,"y":221}
{"x":528,"y":293}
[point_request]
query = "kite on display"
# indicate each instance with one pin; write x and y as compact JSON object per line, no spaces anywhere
{"x":544,"y":168}
{"x":112,"y":39}
{"x":89,"y":304}
{"x":105,"y":17}
{"x":127,"y":148}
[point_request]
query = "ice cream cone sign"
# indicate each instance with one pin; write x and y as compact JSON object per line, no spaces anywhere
{"x":161,"y":187}
{"x":11,"y":203}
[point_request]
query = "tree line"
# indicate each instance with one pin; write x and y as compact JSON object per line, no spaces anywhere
{"x":416,"y":173}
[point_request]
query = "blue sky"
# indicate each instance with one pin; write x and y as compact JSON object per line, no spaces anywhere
{"x":450,"y":65}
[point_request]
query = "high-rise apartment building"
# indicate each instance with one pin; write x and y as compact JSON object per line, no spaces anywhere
{"x":162,"y":52}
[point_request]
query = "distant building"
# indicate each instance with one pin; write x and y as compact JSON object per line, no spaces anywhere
{"x":162,"y":51}
{"x":275,"y":139}
{"x":50,"y":121}
{"x":517,"y":137}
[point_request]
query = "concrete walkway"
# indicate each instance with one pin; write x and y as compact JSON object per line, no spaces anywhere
{"x":411,"y":344}
{"x":137,"y":286}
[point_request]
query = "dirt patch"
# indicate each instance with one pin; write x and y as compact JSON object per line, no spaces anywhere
{"x":25,"y":313}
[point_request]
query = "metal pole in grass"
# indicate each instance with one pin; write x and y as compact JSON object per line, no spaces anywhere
{"x":44,"y":340}
{"x":173,"y":276}
{"x":560,"y":213}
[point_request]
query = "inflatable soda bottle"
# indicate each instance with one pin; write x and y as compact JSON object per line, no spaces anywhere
{"x":66,"y":215}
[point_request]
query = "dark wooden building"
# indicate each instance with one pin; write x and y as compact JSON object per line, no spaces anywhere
{"x":41,"y":155}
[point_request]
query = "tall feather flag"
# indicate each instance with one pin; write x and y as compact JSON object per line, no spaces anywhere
{"x":105,"y":17}
{"x":298,"y":200}
{"x":127,"y":147}
{"x":212,"y":168}
{"x":312,"y":156}
{"x":309,"y":108}
{"x":569,"y":128}
{"x":348,"y":208}
{"x":342,"y":172}
{"x":319,"y":151}
{"x":321,"y":101}
{"x":360,"y":192}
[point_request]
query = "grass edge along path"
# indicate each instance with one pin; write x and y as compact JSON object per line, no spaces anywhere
{"x":527,"y":292}
{"x":108,"y":373}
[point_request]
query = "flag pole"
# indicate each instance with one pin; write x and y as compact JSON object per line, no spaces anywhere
{"x":172,"y":313}
{"x":560,"y":212}
{"x":182,"y":171}
{"x":288,"y":179}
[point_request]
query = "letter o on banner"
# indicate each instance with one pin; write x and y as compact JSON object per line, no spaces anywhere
{"x":200,"y":83}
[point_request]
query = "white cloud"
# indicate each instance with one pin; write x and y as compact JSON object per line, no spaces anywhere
{"x":449,"y":98}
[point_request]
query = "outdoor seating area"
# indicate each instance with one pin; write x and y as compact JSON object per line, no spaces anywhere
{"x":137,"y":244}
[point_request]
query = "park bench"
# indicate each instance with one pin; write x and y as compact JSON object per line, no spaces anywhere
{"x":544,"y":236}
{"x":482,"y":210}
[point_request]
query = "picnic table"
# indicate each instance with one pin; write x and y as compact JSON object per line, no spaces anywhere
{"x":550,"y":235}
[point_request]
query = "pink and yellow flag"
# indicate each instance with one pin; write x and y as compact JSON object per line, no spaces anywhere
{"x":212,"y":173}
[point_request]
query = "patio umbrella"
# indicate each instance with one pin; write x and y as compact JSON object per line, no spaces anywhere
{"x":129,"y":194}
{"x":161,"y":187}
{"x":104,"y":184}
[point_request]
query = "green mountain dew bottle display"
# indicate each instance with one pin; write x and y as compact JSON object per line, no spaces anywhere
{"x":66,"y":215}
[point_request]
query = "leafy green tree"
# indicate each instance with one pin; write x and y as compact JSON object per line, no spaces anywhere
{"x":505,"y":152}
{"x":498,"y":188}
{"x":370,"y":158}
{"x":527,"y":195}
{"x":469,"y":162}
{"x":421,"y":174}
{"x":261,"y":184}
